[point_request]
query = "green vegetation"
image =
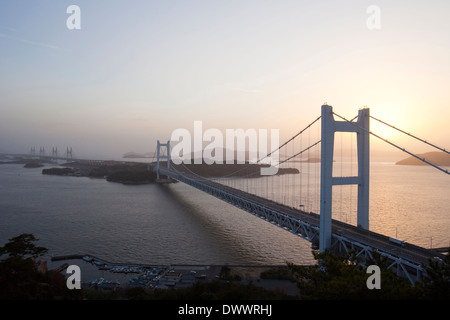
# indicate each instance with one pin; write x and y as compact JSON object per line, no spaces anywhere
{"x":335,"y":277}
{"x":225,"y":274}
{"x":20,"y":277}
{"x":213,"y":290}
{"x":278,"y":273}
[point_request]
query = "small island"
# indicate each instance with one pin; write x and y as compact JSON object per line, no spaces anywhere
{"x":134,"y":173}
{"x":234,"y":170}
{"x":59,"y":171}
{"x":27,"y":162}
{"x":33,"y":164}
{"x":112,"y":171}
{"x":441,"y":159}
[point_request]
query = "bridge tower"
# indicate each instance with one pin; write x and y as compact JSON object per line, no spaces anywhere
{"x":54,"y":152}
{"x":41,"y":152}
{"x":159,"y":156}
{"x":33,"y":151}
{"x":327,"y":181}
{"x":69,"y":154}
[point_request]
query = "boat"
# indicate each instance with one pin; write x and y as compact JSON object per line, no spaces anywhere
{"x":98,"y":281}
{"x":105,"y":267}
{"x":98,"y":263}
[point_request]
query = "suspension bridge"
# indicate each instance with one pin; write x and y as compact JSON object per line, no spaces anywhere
{"x":309,"y":214}
{"x":54,"y":155}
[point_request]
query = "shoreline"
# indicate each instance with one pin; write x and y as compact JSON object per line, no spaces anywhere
{"x":147,"y":265}
{"x":173,"y":276}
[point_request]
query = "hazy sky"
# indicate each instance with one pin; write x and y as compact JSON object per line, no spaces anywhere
{"x":137,"y":70}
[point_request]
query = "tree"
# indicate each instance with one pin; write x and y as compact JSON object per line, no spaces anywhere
{"x":339,"y":277}
{"x":437,"y":283}
{"x":22,"y":247}
{"x":18,"y":273}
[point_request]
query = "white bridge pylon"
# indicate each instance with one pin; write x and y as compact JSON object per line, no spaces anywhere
{"x":329,"y":127}
{"x":160,"y":156}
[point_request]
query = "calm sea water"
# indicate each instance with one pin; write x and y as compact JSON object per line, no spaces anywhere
{"x":151,"y":224}
{"x":177,"y":224}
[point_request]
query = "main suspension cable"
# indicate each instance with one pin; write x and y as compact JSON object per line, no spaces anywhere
{"x":394,"y":145}
{"x":411,"y":135}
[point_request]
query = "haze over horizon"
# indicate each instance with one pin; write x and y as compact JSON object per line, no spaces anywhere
{"x":134,"y":73}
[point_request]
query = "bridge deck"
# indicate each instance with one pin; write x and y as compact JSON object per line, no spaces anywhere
{"x":369,"y":238}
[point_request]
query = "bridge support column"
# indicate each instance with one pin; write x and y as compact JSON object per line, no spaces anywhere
{"x":363,"y":138}
{"x":69,"y":154}
{"x":326,"y":176}
{"x":329,"y":127}
{"x":160,"y":156}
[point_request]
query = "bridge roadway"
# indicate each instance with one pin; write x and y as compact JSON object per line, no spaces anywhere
{"x":409,"y":252}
